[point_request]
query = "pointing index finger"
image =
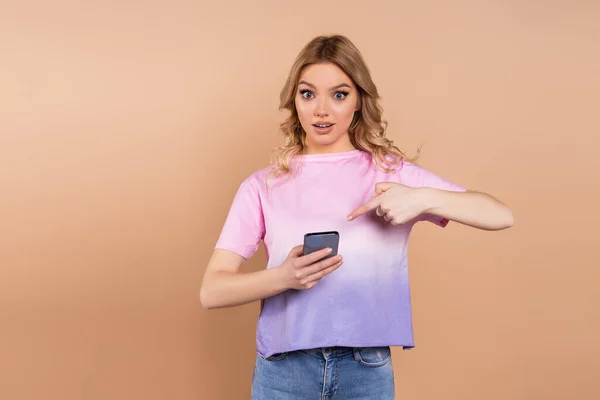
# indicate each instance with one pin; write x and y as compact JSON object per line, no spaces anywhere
{"x":365,"y":208}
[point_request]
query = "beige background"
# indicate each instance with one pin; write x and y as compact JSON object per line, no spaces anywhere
{"x":126,"y":128}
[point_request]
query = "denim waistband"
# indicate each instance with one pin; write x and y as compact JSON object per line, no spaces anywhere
{"x":329,"y":352}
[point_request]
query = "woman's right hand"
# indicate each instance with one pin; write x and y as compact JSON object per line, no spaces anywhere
{"x":303,"y":272}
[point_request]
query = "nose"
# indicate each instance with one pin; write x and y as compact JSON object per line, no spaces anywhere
{"x":321,"y":109}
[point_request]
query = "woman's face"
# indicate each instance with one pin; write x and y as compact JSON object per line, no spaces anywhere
{"x":326,"y":101}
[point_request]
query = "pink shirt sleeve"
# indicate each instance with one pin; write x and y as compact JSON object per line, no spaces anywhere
{"x":415,"y":176}
{"x":244,"y":226}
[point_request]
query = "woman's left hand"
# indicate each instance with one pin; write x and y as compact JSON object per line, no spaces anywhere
{"x":394,"y":202}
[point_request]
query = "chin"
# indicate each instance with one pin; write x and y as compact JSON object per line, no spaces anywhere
{"x":323,"y":140}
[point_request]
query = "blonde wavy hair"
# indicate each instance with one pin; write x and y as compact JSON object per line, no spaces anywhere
{"x":367,"y":129}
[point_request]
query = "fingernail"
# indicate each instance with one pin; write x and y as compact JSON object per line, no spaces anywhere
{"x":329,"y":250}
{"x":349,"y":218}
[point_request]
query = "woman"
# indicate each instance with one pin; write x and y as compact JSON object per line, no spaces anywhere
{"x":327,"y":323}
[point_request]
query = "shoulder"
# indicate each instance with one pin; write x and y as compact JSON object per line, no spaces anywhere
{"x":411,"y":174}
{"x":396,"y":167}
{"x":407,"y":170}
{"x":255,"y":182}
{"x":257,"y":177}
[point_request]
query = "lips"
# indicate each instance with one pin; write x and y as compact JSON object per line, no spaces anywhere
{"x":323,"y":125}
{"x":323,"y":128}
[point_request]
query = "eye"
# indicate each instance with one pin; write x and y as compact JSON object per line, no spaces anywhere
{"x":307,"y":94}
{"x":341,"y":95}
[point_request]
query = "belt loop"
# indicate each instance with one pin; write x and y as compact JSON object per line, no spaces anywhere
{"x":356,"y":354}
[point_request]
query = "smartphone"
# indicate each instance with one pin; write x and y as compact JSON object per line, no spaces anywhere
{"x":320,"y":240}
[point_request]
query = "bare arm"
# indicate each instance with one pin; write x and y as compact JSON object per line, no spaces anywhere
{"x":399,"y":204}
{"x":472,"y":208}
{"x":224,"y":286}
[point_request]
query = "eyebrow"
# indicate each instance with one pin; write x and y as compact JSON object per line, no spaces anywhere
{"x":333,"y":88}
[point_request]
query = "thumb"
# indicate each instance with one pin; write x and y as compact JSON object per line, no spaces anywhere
{"x":382,"y":187}
{"x":297,"y":251}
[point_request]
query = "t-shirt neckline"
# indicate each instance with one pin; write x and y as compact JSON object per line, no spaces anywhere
{"x":329,"y":157}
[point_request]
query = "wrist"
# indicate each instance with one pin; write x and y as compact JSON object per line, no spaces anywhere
{"x":280,"y":280}
{"x":430,"y":199}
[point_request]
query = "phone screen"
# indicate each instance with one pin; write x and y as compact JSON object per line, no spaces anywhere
{"x":319,"y":240}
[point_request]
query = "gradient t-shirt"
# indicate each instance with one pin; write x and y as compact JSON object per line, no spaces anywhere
{"x":366,"y":302}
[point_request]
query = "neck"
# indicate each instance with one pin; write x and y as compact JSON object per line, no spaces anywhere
{"x":341,"y":146}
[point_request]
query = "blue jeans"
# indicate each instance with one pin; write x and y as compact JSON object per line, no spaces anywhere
{"x":325,"y":374}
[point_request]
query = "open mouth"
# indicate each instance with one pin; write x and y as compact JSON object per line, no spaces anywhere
{"x":323,"y":126}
